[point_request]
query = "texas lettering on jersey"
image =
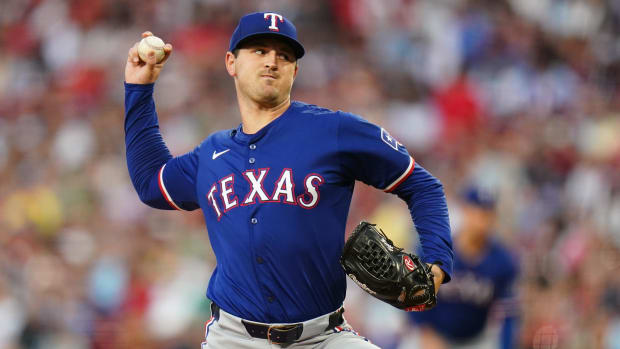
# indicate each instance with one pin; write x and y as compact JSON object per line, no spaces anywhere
{"x":223,"y":198}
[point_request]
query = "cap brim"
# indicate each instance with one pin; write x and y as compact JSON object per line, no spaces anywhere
{"x":298,"y":49}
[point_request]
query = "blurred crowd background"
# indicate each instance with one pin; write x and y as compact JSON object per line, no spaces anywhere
{"x":521,"y":96}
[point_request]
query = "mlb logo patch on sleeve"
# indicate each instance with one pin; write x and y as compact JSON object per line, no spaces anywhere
{"x":389,"y":140}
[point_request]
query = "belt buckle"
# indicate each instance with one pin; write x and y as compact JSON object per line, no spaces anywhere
{"x":269,"y":335}
{"x":280,"y":327}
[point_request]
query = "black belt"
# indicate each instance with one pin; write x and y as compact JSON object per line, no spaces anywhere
{"x":281,"y":334}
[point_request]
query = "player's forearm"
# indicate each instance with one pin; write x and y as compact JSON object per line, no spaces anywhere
{"x":145,"y":148}
{"x":427,"y":203}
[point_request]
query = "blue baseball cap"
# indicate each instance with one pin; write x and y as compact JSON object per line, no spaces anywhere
{"x":479,"y":197}
{"x":266,"y":23}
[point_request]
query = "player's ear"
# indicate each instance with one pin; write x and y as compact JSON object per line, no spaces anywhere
{"x":230,"y":64}
{"x":296,"y":69}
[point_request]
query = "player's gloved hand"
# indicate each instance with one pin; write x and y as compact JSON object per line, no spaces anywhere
{"x":386,"y":272}
{"x":138,"y":72}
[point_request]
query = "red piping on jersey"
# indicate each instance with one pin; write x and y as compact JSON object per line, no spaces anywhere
{"x":403,"y":177}
{"x":164,"y":192}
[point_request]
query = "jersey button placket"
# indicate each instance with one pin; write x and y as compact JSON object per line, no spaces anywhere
{"x":252,"y":160}
{"x":254,"y":221}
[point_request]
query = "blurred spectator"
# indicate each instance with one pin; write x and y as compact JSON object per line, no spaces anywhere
{"x":482,"y":290}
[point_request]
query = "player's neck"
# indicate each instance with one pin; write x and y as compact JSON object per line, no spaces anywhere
{"x":255,"y":116}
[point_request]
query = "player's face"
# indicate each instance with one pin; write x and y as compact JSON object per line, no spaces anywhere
{"x":478,"y":220}
{"x":264,"y":70}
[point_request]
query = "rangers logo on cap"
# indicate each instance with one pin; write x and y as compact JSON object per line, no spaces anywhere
{"x":274,"y":20}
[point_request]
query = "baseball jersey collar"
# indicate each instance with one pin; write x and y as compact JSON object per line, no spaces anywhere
{"x":245,"y":138}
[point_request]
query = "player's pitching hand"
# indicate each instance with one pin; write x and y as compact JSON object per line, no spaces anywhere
{"x":139,"y":72}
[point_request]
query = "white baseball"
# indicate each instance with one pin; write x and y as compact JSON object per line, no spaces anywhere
{"x":151,"y":43}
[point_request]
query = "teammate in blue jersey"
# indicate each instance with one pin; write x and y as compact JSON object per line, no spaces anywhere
{"x":275,"y":193}
{"x":482,"y":284}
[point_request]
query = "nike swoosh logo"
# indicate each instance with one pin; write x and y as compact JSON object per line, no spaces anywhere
{"x":216,"y":154}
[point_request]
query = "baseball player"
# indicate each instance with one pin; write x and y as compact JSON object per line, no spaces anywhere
{"x":275,"y":192}
{"x":483,"y":279}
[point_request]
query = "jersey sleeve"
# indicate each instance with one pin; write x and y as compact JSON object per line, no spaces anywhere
{"x":177,"y":181}
{"x":160,"y":180}
{"x":371,"y":155}
{"x":427,"y":204}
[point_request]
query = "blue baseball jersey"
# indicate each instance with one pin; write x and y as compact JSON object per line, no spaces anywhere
{"x":464,"y":304}
{"x":275,"y":202}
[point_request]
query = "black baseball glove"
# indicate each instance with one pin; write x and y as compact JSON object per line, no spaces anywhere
{"x":386,"y":272}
